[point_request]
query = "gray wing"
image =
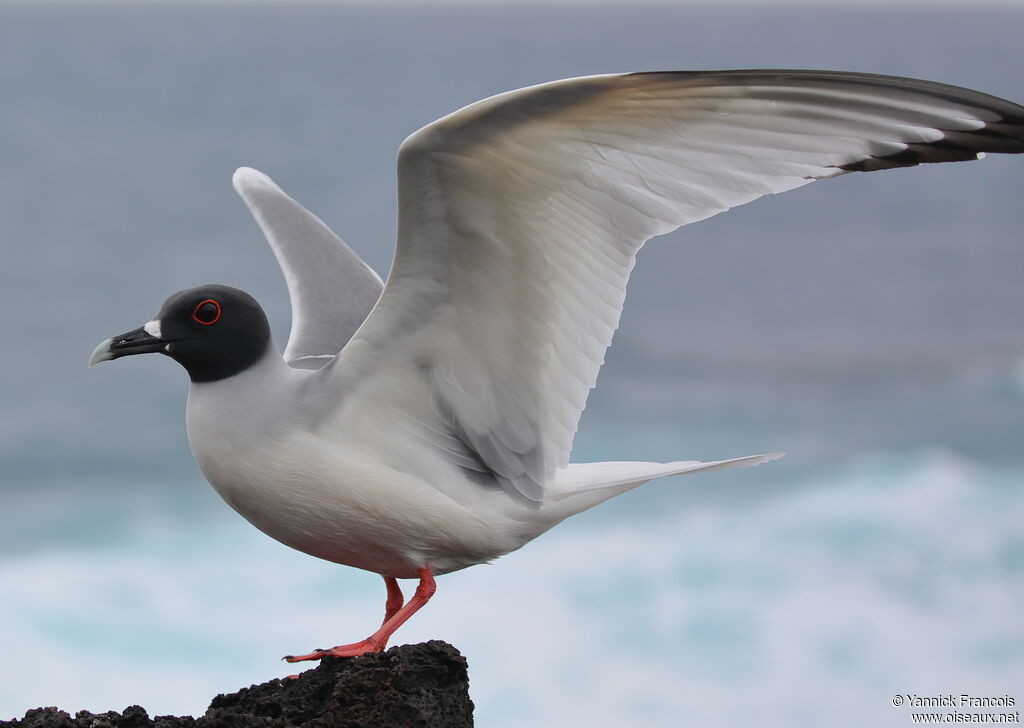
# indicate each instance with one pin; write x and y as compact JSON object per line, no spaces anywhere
{"x":331,"y":289}
{"x":520,"y":217}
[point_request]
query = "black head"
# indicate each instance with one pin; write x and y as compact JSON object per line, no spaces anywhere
{"x":213,"y":331}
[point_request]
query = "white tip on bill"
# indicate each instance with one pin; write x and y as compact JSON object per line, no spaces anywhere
{"x":101,"y":352}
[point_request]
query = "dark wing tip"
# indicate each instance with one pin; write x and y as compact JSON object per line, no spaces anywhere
{"x":1003,"y":132}
{"x":955,"y":146}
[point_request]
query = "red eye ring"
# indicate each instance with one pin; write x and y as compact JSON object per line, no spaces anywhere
{"x":195,"y":312}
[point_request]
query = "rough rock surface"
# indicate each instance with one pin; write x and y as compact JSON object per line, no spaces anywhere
{"x":424,"y":685}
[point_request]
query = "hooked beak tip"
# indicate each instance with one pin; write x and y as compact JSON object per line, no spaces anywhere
{"x":138,"y":341}
{"x":101,"y":353}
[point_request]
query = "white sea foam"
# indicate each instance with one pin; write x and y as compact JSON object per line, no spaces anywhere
{"x":896,"y":574}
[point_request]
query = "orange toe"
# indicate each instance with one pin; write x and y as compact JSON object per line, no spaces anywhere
{"x":356,"y":649}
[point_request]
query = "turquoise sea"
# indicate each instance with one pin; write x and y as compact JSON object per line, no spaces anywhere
{"x":871,"y":326}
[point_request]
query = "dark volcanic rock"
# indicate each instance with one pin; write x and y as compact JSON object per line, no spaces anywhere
{"x":421,"y":686}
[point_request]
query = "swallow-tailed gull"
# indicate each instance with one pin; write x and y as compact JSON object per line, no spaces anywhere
{"x":424,"y":425}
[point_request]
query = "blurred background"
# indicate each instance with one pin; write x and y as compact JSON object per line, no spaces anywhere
{"x":870,"y":325}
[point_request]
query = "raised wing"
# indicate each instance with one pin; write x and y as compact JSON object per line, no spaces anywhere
{"x":520,"y":216}
{"x":331,"y":289}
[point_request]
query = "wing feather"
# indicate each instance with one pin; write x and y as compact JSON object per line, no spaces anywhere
{"x":520,"y":217}
{"x":331,"y":289}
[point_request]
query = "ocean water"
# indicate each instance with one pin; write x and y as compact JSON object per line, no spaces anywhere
{"x":870,"y":325}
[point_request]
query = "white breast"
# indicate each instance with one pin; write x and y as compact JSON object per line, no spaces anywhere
{"x":322,"y":495}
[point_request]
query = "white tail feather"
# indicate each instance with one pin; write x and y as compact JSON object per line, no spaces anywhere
{"x":584,"y":485}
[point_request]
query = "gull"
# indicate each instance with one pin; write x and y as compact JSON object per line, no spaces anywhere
{"x":424,"y":425}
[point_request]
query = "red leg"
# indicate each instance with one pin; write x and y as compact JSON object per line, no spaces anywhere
{"x":395,"y":599}
{"x":376,"y":641}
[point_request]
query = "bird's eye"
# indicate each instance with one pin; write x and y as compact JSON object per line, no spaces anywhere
{"x":206,"y":312}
